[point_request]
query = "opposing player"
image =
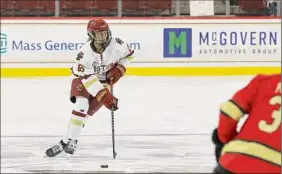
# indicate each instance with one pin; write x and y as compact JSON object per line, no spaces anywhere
{"x":100,"y":63}
{"x":256,"y":148}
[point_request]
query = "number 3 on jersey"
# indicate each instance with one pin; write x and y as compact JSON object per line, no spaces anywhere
{"x":276,"y":115}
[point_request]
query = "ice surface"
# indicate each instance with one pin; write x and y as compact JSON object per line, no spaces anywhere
{"x":163,"y":125}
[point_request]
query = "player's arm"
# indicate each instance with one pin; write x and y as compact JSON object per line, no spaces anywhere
{"x":127,"y":55}
{"x":119,"y":69}
{"x":232,"y":111}
{"x":85,"y":71}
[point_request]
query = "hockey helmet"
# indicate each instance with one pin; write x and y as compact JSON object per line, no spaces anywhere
{"x":99,"y":31}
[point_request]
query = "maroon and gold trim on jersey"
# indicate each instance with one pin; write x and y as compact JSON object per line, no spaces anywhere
{"x":129,"y":56}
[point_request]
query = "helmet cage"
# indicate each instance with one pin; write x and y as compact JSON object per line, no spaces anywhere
{"x":101,"y":38}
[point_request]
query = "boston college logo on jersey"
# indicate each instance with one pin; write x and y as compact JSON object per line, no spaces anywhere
{"x":95,"y":64}
{"x":101,"y":69}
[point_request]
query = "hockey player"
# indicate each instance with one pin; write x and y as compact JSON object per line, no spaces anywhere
{"x":100,"y":62}
{"x":256,"y":148}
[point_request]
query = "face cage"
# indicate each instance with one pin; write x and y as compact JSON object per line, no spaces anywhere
{"x":105,"y":43}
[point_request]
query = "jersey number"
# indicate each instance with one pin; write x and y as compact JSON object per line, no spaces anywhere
{"x":80,"y":68}
{"x":276,"y":115}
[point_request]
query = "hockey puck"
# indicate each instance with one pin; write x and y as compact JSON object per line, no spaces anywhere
{"x":104,"y":166}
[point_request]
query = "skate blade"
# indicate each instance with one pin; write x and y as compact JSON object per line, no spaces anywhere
{"x":67,"y":155}
{"x":59,"y":156}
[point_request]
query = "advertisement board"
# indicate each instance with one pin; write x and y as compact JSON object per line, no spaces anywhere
{"x":187,"y":40}
{"x":49,"y":42}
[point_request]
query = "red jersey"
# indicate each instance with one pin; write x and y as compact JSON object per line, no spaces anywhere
{"x":257,"y":147}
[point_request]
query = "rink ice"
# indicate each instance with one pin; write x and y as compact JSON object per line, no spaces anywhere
{"x":163,"y":125}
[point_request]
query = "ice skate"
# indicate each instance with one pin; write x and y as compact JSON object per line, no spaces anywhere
{"x":56,"y":150}
{"x":70,"y":147}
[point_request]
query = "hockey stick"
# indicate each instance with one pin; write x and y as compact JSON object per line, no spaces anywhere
{"x":113,"y":128}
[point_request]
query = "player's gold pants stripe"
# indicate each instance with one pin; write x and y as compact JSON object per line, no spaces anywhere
{"x":90,"y":82}
{"x":77,"y":122}
{"x":106,"y":85}
{"x":253,"y":149}
{"x":231,"y":110}
{"x":130,"y":57}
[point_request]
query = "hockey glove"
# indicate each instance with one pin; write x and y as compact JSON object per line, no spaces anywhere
{"x":218,"y":144}
{"x":109,"y":101}
{"x":115,"y":73}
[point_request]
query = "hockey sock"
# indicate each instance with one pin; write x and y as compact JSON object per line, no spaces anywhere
{"x":78,"y":119}
{"x":76,"y":125}
{"x":66,"y":138}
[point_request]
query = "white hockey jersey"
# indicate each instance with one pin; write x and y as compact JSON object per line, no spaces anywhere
{"x":88,"y":62}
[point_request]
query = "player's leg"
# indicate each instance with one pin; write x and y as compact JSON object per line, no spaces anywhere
{"x":77,"y":121}
{"x":84,"y":109}
{"x":80,"y":97}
